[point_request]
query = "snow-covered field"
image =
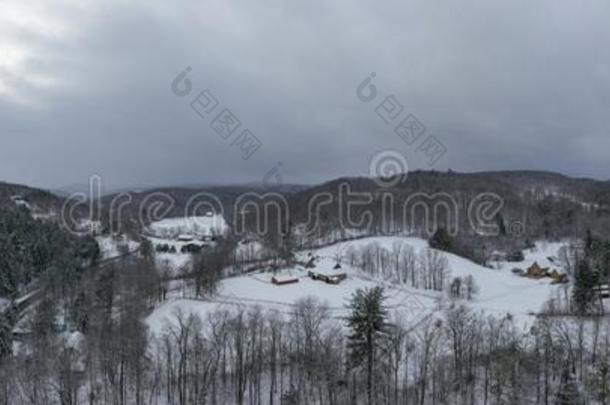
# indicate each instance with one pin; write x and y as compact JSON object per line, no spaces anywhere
{"x":500,"y":291}
{"x":111,"y":247}
{"x":194,"y":229}
{"x":251,"y":251}
{"x":197,"y":227}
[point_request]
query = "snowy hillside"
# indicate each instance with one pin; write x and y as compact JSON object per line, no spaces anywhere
{"x":172,"y":262}
{"x":176,"y":234}
{"x":112,"y":247}
{"x":500,"y":291}
{"x":198,"y":227}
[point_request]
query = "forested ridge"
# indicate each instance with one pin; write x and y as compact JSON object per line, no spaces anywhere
{"x":86,"y":339}
{"x":34,"y":248}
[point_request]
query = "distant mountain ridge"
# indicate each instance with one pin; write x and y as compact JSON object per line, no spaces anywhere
{"x":43,"y":200}
{"x":545,"y":204}
{"x":551,"y":204}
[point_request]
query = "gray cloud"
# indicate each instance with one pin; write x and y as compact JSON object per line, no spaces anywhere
{"x":85,"y":87}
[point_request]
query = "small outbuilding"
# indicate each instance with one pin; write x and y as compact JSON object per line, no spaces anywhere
{"x":283,"y":281}
{"x":328,"y":279}
{"x":602,"y":290}
{"x":191,"y":248}
{"x":558,"y":278}
{"x":535,"y":271}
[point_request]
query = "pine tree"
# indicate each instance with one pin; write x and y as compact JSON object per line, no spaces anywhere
{"x":43,"y":324}
{"x":369,"y":331}
{"x":583,"y":294}
{"x":589,"y":243}
{"x":600,"y":381}
{"x":286,"y":248}
{"x":441,"y":240}
{"x":5,"y":335}
{"x":501,"y":224}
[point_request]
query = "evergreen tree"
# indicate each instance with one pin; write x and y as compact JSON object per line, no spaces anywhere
{"x":501,"y":224}
{"x":441,"y":240}
{"x":146,"y":251}
{"x":583,"y":294}
{"x":589,"y":243}
{"x":5,"y":335}
{"x":31,"y":248}
{"x":600,"y":381}
{"x":287,"y":247}
{"x":369,"y":331}
{"x":43,"y":324}
{"x":604,"y":260}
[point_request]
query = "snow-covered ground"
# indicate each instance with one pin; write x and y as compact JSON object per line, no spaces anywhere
{"x":191,"y":229}
{"x":90,"y":226}
{"x":111,"y":247}
{"x":500,"y":291}
{"x":172,"y":263}
{"x":197,"y":227}
{"x":545,"y":254}
{"x":19,"y":201}
{"x":251,"y":250}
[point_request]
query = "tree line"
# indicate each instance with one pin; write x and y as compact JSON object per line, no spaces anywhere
{"x":307,"y":354}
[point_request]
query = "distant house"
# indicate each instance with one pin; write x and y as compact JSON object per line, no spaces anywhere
{"x":191,"y":248}
{"x":535,"y":271}
{"x":558,"y":278}
{"x":20,"y":201}
{"x":285,"y":281}
{"x":603,"y":290}
{"x":334,"y":279}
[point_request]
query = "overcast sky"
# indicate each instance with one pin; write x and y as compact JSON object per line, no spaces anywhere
{"x":86,"y":87}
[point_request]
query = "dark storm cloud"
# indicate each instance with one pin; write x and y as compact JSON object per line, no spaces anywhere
{"x":85,"y":88}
